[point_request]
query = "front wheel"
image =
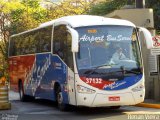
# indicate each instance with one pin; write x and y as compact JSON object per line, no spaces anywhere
{"x":115,"y":107}
{"x":59,"y":97}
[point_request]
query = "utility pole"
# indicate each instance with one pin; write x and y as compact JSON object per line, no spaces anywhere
{"x":129,"y":2}
{"x":140,"y":3}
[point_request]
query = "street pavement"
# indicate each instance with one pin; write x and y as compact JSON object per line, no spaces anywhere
{"x":47,"y":110}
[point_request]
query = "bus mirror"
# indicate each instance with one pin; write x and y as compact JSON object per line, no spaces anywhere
{"x":74,"y":35}
{"x":147,"y":37}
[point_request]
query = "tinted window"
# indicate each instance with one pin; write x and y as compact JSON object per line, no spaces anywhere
{"x":60,"y":39}
{"x":44,"y":44}
{"x":62,"y":44}
{"x":12,"y":47}
{"x":69,"y":52}
{"x":36,"y":41}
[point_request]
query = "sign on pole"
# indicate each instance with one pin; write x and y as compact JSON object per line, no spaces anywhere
{"x":156,"y":41}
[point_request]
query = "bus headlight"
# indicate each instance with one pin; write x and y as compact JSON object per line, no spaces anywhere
{"x":138,"y":88}
{"x":82,"y":89}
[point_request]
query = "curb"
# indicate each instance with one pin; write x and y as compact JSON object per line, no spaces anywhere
{"x":5,"y":106}
{"x":148,"y":105}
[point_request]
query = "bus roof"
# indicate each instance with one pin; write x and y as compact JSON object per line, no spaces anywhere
{"x":82,"y":20}
{"x":87,"y":20}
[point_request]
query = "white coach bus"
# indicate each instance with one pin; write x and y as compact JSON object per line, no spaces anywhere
{"x":80,"y":60}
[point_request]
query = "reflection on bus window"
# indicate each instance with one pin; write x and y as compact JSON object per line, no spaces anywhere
{"x":62,"y":44}
{"x":36,"y":41}
{"x":108,"y":45}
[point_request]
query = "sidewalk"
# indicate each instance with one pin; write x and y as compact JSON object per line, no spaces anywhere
{"x":149,"y":103}
{"x":7,"y":105}
{"x":13,"y":95}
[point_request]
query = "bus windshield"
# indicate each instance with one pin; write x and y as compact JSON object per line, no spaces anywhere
{"x":108,"y":49}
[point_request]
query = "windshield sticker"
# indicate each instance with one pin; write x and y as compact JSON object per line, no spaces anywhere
{"x":118,"y":38}
{"x":91,"y":39}
{"x":87,"y":38}
{"x":92,"y":31}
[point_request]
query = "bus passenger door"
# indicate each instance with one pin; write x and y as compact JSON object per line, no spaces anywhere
{"x":70,"y":77}
{"x":62,"y":47}
{"x":71,"y":87}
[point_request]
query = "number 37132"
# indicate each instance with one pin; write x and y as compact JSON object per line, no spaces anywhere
{"x":94,"y":80}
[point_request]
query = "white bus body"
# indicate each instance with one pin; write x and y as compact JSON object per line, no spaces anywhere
{"x":96,"y":80}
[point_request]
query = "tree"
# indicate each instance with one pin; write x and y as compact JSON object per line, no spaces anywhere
{"x":111,"y":5}
{"x":29,"y":15}
{"x":20,"y":15}
{"x":106,"y":7}
{"x":5,"y":19}
{"x":68,"y":7}
{"x":155,"y":4}
{"x":17,"y":16}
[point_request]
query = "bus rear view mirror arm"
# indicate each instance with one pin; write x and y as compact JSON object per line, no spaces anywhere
{"x":147,"y":37}
{"x":74,"y":34}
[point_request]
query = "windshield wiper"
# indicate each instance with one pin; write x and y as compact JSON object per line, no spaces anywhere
{"x":95,"y":68}
{"x":110,"y":65}
{"x":131,"y":71}
{"x":124,"y":71}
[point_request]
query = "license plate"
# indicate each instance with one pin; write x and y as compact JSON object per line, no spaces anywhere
{"x":114,"y":98}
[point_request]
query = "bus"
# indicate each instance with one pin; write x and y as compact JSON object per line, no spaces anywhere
{"x":70,"y":60}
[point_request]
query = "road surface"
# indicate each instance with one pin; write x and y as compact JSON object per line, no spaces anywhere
{"x":47,"y":110}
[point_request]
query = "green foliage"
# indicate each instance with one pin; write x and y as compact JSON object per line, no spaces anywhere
{"x":155,"y":4}
{"x":106,"y":7}
{"x":68,"y":7}
{"x":111,"y":5}
{"x":20,"y":15}
{"x":31,"y":3}
{"x":29,"y":15}
{"x":17,"y":16}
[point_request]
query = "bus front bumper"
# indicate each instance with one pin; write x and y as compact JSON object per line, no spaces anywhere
{"x":103,"y":100}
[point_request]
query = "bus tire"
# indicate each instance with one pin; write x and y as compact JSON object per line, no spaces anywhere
{"x":21,"y":92}
{"x":22,"y":96}
{"x":59,"y":98}
{"x":115,"y":107}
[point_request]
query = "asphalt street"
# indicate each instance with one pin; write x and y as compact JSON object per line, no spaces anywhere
{"x":46,"y":110}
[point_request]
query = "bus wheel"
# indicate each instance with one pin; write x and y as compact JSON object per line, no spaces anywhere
{"x":59,"y":97}
{"x":21,"y":92}
{"x":115,"y":107}
{"x":22,"y":96}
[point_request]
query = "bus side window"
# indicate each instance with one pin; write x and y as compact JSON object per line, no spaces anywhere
{"x":18,"y":45}
{"x":59,"y":40}
{"x":62,"y":45}
{"x":45,"y":39}
{"x":12,"y":47}
{"x":69,"y":52}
